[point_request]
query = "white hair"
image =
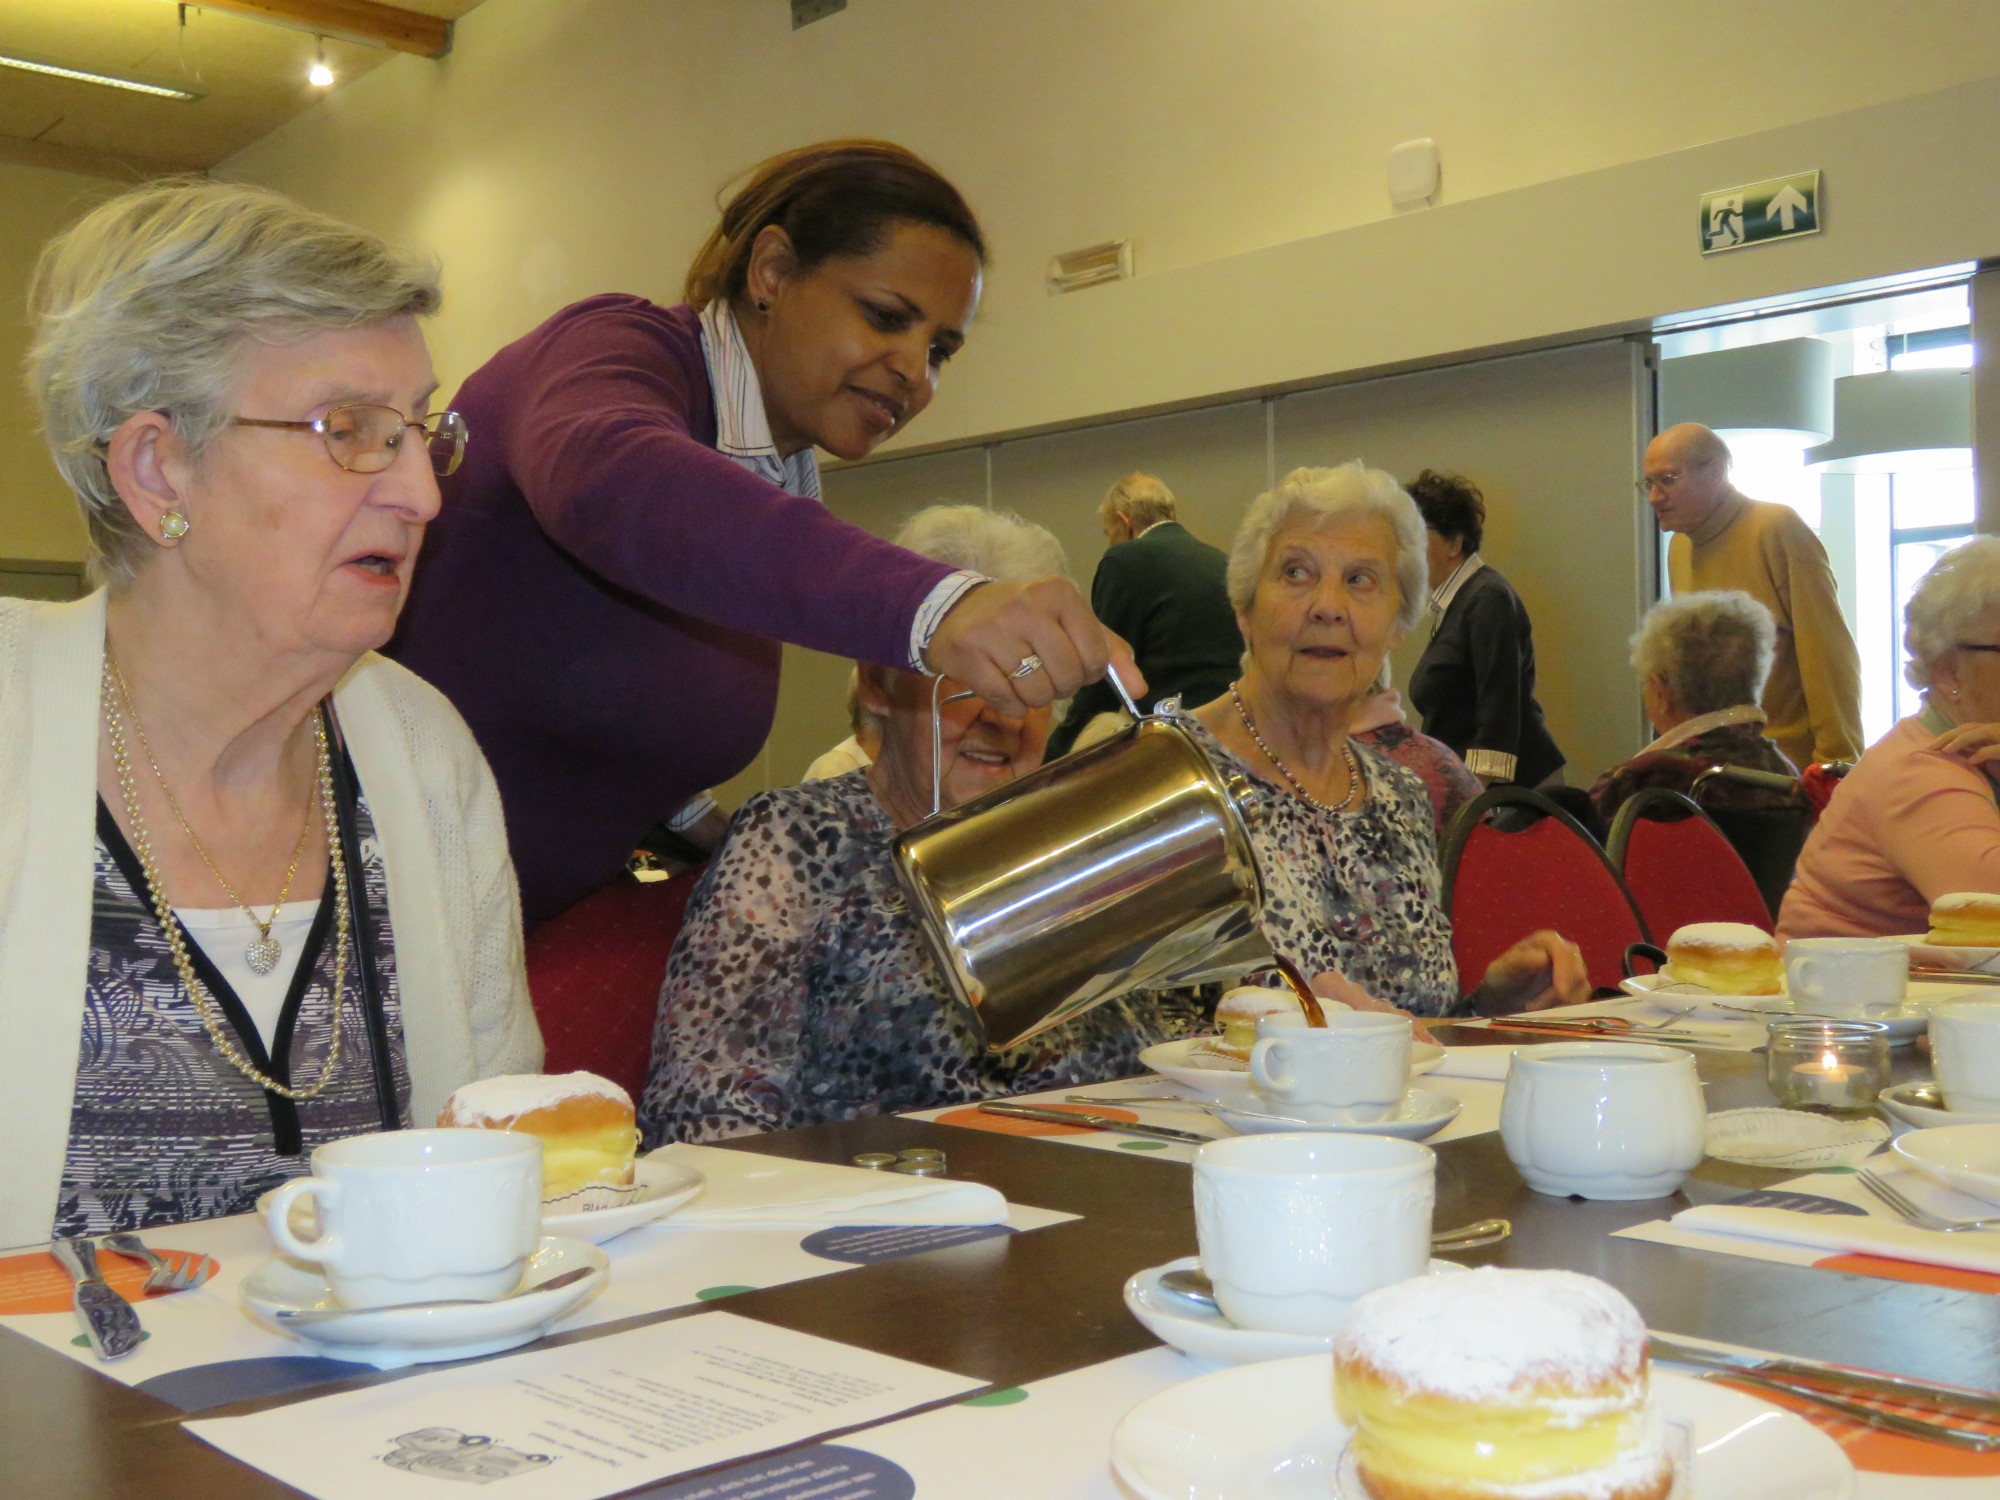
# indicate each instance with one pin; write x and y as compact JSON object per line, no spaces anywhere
{"x":146,"y":303}
{"x":997,"y":543}
{"x":1950,"y":600}
{"x":1313,"y":498}
{"x":1139,"y":498}
{"x":1710,"y":650}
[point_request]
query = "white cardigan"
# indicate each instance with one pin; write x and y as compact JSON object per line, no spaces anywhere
{"x":453,"y":905}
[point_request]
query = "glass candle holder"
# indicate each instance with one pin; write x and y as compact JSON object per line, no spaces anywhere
{"x":1813,"y":1063}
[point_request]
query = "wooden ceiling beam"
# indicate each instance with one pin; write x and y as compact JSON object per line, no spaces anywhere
{"x":365,"y":21}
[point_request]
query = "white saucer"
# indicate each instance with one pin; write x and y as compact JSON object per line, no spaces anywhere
{"x":1897,"y":1101}
{"x":1965,"y":1157}
{"x":391,"y":1337}
{"x":1207,"y":1336}
{"x":1268,"y":1432}
{"x":1423,"y":1113}
{"x":663,"y":1187}
{"x":1226,"y":1080}
{"x":1940,"y":956}
{"x":1905,"y":1025}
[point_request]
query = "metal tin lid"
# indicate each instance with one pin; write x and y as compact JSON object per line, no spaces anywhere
{"x":920,"y":1153}
{"x":919,"y":1168}
{"x":875,"y":1161}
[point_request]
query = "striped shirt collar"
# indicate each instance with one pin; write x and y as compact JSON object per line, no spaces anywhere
{"x":742,"y":430}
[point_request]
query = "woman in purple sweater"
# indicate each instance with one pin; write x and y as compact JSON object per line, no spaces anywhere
{"x":637,"y":524}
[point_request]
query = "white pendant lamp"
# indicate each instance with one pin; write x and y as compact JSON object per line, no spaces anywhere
{"x":1898,"y":421}
{"x":1780,"y":392}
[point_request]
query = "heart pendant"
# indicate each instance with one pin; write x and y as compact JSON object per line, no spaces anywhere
{"x":263,"y":955}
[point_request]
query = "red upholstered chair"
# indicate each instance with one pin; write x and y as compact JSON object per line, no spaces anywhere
{"x":595,"y":971}
{"x":1681,"y":868}
{"x":1513,"y":862}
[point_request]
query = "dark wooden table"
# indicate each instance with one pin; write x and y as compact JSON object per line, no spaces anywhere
{"x":1023,"y":1307}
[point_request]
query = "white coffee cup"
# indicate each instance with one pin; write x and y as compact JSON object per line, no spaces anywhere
{"x":1849,"y":979}
{"x":418,"y":1215}
{"x":1353,"y":1071}
{"x":1965,"y":1054}
{"x":1294,"y":1227}
{"x":1613,"y":1120}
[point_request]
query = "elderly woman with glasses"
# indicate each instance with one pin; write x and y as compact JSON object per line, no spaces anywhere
{"x":1327,"y":575}
{"x":254,"y":887}
{"x":1915,"y":819}
{"x":801,"y":990}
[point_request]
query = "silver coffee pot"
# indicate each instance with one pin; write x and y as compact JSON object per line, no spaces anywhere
{"x":1124,"y":866}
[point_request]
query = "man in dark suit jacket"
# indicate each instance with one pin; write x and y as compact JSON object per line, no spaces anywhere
{"x":1164,"y":592}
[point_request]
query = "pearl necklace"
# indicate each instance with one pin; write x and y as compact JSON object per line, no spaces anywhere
{"x":142,"y":846}
{"x":1346,"y":805}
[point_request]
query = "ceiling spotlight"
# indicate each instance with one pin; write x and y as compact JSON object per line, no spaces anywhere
{"x":319,"y":75}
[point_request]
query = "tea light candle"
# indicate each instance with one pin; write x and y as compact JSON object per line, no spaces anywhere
{"x":1819,"y":1064}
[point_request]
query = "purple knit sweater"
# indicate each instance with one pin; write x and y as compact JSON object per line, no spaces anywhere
{"x":603,"y":594}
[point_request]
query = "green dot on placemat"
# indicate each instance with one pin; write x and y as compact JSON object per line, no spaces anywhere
{"x":82,"y":1341}
{"x":1142,"y":1145}
{"x":1009,"y":1397}
{"x":715,"y":1293}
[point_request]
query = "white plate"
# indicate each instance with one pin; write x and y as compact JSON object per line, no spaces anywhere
{"x":390,"y":1337}
{"x":1208,"y":1336}
{"x":1423,"y":1113}
{"x":1897,"y":1101}
{"x":1939,"y":956}
{"x":1268,"y":1432}
{"x":1966,"y":1157}
{"x":663,"y":1187}
{"x":1191,"y":1063}
{"x":1905,"y":1025}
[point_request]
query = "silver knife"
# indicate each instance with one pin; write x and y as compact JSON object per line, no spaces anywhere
{"x":106,"y":1317}
{"x":1812,"y":1381}
{"x":1094,"y":1122}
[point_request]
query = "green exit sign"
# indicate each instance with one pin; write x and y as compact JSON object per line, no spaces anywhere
{"x":1780,"y":209}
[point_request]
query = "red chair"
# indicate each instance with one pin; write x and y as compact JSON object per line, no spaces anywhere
{"x":1679,"y":867}
{"x":1514,"y":862}
{"x":595,"y":970}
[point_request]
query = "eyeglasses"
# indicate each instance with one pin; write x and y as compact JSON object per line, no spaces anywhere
{"x":365,"y":439}
{"x":1976,"y":646}
{"x":1664,"y":482}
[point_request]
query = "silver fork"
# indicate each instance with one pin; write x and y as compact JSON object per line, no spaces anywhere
{"x":165,"y":1276}
{"x":1921,"y":1217}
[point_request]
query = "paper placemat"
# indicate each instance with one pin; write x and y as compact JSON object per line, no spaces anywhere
{"x":1479,"y":1112}
{"x":586,"y":1420}
{"x":203,"y":1351}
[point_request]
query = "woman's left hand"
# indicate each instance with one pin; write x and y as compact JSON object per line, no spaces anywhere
{"x":1333,"y":985}
{"x":1542,"y":970}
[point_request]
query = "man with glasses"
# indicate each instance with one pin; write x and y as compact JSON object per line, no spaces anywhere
{"x":1724,"y":540}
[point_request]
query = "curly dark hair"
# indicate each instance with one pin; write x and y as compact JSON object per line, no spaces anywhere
{"x":1451,"y":506}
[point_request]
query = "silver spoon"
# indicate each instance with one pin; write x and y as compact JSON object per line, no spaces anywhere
{"x":1194,"y":1285}
{"x":327,"y":1314}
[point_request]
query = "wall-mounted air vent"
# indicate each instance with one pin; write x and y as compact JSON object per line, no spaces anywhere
{"x":1074,"y":270}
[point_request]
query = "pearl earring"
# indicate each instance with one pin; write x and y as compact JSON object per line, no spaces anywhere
{"x":173,"y":526}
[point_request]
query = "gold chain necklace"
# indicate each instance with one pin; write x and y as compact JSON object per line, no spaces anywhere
{"x":113,"y":690}
{"x":1347,"y":804}
{"x":264,"y":952}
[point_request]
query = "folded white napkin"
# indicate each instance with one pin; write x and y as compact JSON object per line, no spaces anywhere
{"x":1847,"y":1232}
{"x":1475,"y":1062}
{"x":748,"y":1190}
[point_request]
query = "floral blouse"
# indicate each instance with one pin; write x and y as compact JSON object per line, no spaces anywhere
{"x":1356,"y":892}
{"x":801,"y":990}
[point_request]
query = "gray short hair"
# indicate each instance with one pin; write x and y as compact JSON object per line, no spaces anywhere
{"x":1961,"y":587}
{"x":1314,"y":497}
{"x":145,"y":305}
{"x":1710,"y":650}
{"x":1141,"y":499}
{"x":997,"y":543}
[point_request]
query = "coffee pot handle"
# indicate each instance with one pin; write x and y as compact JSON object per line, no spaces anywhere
{"x":1118,"y":686}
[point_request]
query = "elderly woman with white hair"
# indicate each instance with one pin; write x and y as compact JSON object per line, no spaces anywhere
{"x":1915,"y":819}
{"x":801,"y":990}
{"x":254,"y":885}
{"x":1327,"y":575}
{"x":1702,"y":660}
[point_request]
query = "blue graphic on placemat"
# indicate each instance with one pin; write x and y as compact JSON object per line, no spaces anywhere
{"x":1798,"y":1203}
{"x":825,"y":1471}
{"x":870,"y":1244}
{"x":201,"y":1387}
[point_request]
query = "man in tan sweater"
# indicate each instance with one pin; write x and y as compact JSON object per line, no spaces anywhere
{"x":1726,"y":541}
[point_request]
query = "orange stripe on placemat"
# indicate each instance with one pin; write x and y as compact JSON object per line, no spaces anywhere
{"x":972,"y":1119}
{"x":35,"y":1283}
{"x":1886,"y":1452}
{"x":1909,"y":1270}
